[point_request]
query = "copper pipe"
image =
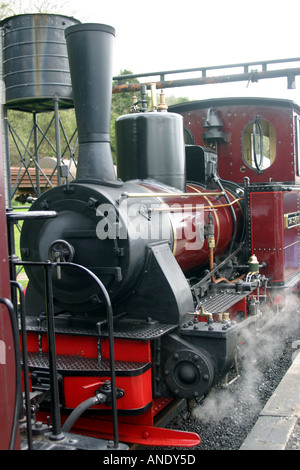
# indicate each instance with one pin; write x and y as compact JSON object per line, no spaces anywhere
{"x":175,"y":209}
{"x":211,"y":267}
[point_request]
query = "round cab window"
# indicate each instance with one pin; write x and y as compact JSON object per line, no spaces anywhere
{"x":259,"y":144}
{"x":188,"y":137}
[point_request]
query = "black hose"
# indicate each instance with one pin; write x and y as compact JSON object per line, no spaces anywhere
{"x":77,"y":412}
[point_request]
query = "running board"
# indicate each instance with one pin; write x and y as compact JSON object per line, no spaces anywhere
{"x":222,"y":300}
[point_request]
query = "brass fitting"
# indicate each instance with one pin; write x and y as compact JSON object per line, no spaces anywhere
{"x":226,"y":316}
{"x":203,"y":313}
{"x":209,"y":231}
{"x":162,"y":107}
{"x":211,"y":242}
{"x":153,"y":97}
{"x":253,"y":265}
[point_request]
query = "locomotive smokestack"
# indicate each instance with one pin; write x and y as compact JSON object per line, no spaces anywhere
{"x":90,"y":60}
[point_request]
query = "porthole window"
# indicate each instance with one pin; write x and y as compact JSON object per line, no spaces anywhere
{"x":259,"y":144}
{"x":188,"y":137}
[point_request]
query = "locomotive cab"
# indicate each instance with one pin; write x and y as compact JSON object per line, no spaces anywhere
{"x":260,"y":153}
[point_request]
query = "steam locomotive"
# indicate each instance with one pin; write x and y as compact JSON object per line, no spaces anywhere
{"x":142,"y":283}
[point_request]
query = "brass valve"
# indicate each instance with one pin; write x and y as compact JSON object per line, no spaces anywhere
{"x":253,"y":265}
{"x":209,"y":231}
{"x":162,"y":107}
{"x":211,"y":242}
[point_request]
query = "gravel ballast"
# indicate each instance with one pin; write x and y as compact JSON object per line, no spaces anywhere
{"x":226,"y":416}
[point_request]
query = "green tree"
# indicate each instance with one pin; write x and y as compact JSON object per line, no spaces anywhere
{"x":21,"y":135}
{"x":172,"y":100}
{"x":121,"y":104}
{"x":19,"y":7}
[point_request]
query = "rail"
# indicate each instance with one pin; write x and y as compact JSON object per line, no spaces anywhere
{"x":55,"y":406}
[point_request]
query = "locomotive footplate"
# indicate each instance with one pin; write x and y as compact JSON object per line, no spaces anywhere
{"x":220,"y":302}
{"x":225,"y":296}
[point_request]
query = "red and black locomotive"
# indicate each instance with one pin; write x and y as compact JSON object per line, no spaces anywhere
{"x":140,"y":284}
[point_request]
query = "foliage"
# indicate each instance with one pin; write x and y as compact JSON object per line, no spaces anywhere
{"x":22,"y":140}
{"x":18,"y":7}
{"x":121,"y":104}
{"x":21,"y":136}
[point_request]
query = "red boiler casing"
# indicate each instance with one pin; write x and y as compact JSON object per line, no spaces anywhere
{"x":189,"y":213}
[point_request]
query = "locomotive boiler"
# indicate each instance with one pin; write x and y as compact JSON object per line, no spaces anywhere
{"x":164,"y":244}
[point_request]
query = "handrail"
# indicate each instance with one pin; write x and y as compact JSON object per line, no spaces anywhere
{"x":245,"y":65}
{"x":18,"y":395}
{"x":251,"y":76}
{"x":48,"y":265}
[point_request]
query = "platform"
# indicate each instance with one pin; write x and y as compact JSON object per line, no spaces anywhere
{"x":280,"y":416}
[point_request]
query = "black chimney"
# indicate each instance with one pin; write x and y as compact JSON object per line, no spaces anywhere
{"x":90,"y":60}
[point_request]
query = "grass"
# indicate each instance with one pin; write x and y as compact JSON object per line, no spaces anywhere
{"x":17,"y":233}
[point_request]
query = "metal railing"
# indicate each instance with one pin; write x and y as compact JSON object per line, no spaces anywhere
{"x":47,"y":266}
{"x":250,"y":72}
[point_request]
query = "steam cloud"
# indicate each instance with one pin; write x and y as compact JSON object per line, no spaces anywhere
{"x":257,"y":352}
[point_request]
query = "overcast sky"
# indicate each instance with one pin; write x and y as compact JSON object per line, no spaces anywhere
{"x":159,"y":35}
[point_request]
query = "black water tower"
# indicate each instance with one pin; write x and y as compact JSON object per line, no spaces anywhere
{"x":35,"y":61}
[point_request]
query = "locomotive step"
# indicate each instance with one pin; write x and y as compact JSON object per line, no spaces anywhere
{"x":79,"y":366}
{"x":80,"y":377}
{"x":123,"y":328}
